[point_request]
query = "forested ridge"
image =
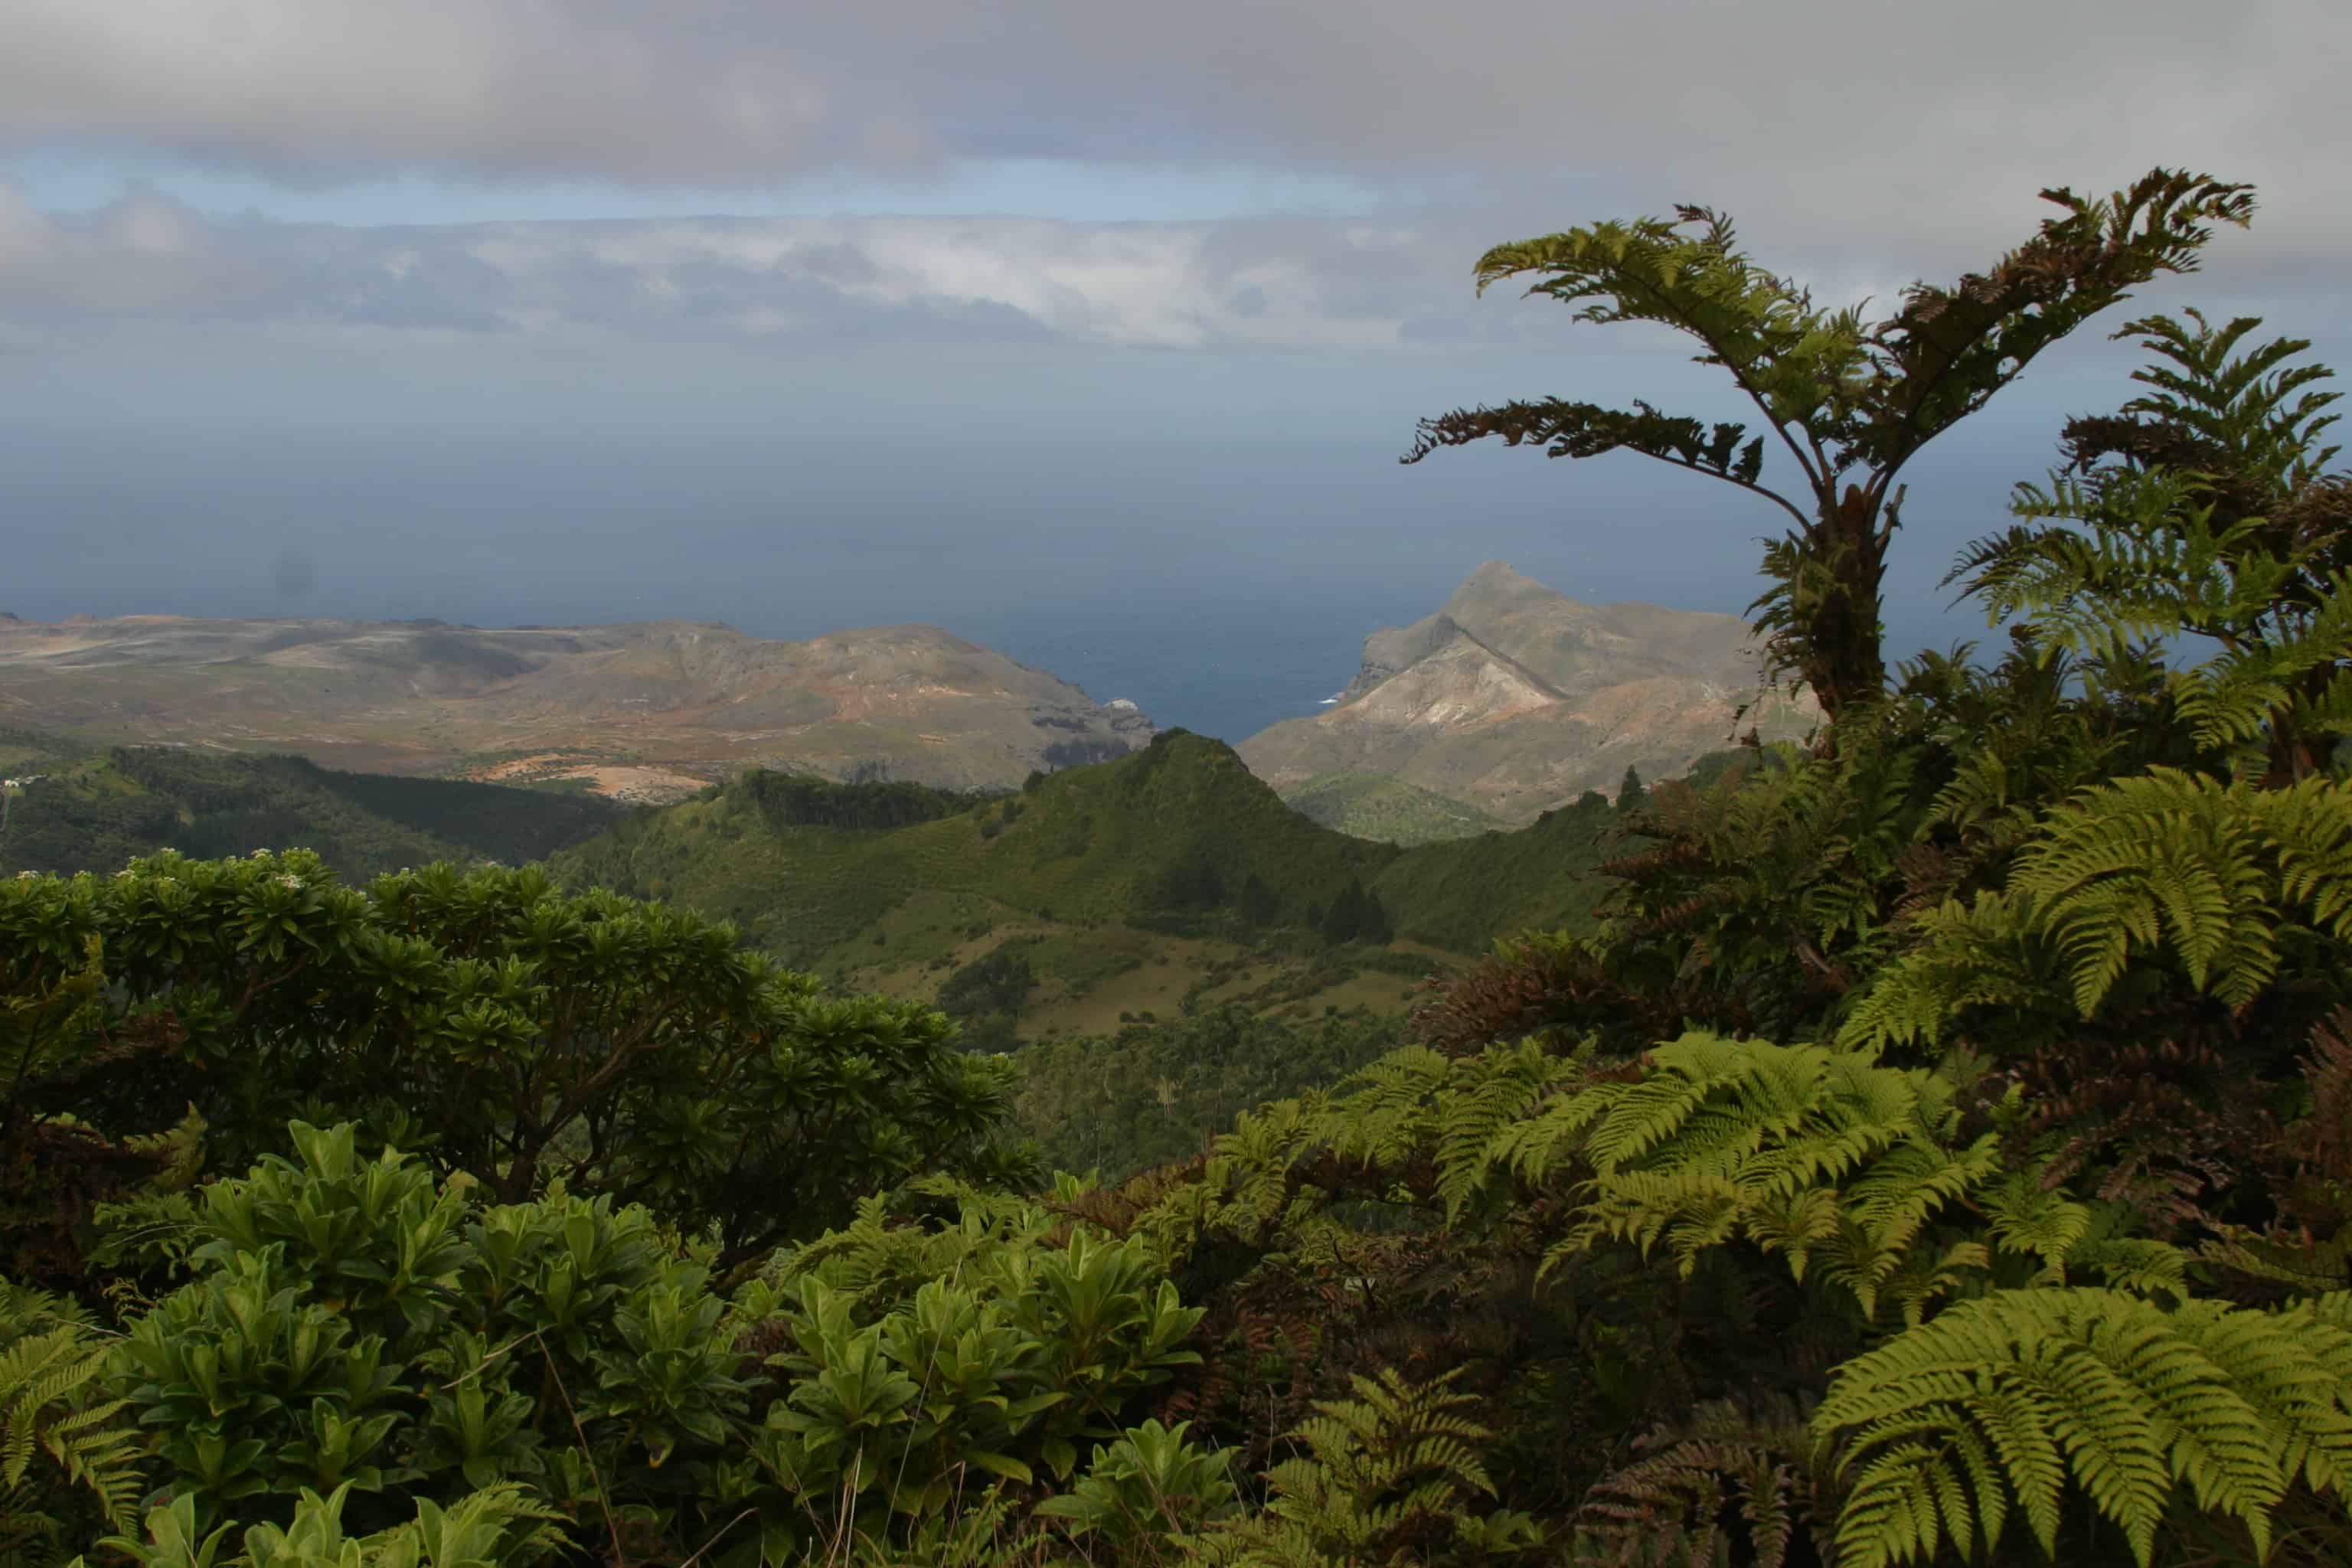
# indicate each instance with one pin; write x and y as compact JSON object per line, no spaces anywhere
{"x":1178,"y":834}
{"x":87,"y":809}
{"x":1936,"y":1148}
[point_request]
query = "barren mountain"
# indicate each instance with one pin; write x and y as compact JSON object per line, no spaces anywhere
{"x":650,"y":710}
{"x":1516,"y":699}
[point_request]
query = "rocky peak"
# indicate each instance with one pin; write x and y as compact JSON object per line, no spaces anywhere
{"x":1499,"y":590}
{"x":1515,"y":697}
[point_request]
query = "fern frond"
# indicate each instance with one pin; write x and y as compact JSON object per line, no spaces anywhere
{"x":2165,"y":864}
{"x":1802,"y":1150}
{"x":48,"y":1382}
{"x":2130,"y":1404}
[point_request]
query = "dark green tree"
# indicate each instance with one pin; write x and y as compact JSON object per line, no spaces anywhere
{"x":1191,"y":883}
{"x":994,"y":983}
{"x":1355,"y":916}
{"x":1256,"y":903}
{"x":1631,"y":795}
{"x":1849,"y":402}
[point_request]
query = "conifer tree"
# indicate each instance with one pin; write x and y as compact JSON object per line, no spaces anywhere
{"x":1345,"y":920}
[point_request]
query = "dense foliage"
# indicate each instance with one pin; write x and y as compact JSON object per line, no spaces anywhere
{"x":1160,"y":1092}
{"x":802,"y":800}
{"x":1937,"y":1149}
{"x":480,"y":1020}
{"x":92,"y":811}
{"x":1377,"y":806}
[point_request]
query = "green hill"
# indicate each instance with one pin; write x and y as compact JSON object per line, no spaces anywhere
{"x":1178,"y":830}
{"x":1179,"y":839}
{"x":85,"y":811}
{"x":1377,"y":806}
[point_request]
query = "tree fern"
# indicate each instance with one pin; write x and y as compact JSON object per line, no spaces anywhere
{"x":1847,"y":402}
{"x":1999,"y":1405}
{"x":2202,"y":508}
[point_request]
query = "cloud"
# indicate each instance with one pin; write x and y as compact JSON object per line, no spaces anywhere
{"x":1901,"y":120}
{"x":312,"y":88}
{"x":1319,"y":285}
{"x":1239,"y":285}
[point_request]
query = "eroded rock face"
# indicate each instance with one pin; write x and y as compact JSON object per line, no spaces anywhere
{"x":1517,"y":698}
{"x":649,"y":710}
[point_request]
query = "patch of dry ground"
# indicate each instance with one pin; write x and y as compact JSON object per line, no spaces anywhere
{"x":650,"y":710}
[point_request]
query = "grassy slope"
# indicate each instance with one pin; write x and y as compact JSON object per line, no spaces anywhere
{"x":91,"y":813}
{"x":1374,"y":806}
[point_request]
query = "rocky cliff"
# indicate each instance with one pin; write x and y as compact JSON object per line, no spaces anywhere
{"x":649,"y":710}
{"x":1516,"y":699}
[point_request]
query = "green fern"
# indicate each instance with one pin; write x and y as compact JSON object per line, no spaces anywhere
{"x":1804,"y":1151}
{"x":2221,"y":879}
{"x":1394,"y":1469}
{"x":2201,"y":509}
{"x":58,"y":1440}
{"x":1996,"y":1405}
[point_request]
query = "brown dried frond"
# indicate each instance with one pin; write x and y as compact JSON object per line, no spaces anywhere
{"x":2321,"y":1143}
{"x":1677,"y":855}
{"x":1545,"y":993}
{"x":2167,"y":1124}
{"x":1929,"y":873}
{"x":1757,"y":1466}
{"x":1684,"y":912}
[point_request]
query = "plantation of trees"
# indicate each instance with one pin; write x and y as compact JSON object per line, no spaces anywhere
{"x":1940,"y":1151}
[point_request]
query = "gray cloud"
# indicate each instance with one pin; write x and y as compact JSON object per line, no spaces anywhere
{"x":1904,"y":123}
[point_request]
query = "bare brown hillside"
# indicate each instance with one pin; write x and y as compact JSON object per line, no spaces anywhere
{"x":649,"y":710}
{"x":1516,"y":699}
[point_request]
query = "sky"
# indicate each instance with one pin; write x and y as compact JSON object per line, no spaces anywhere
{"x":1088,"y":328}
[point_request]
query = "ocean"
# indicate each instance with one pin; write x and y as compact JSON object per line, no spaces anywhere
{"x":1226,"y":664}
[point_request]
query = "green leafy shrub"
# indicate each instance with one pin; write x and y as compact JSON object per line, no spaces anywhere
{"x":355,"y":1327}
{"x":922,"y":1357}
